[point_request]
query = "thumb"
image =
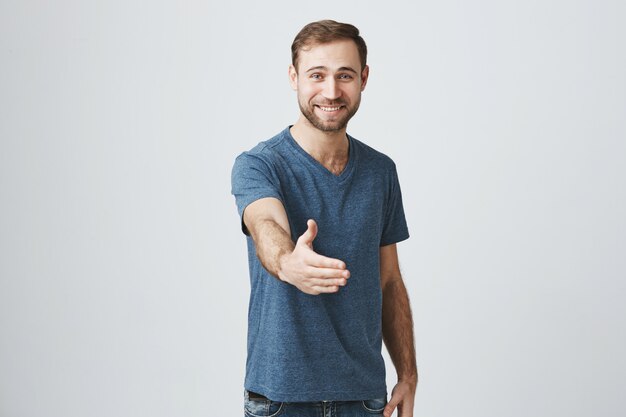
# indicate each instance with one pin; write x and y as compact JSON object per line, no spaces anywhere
{"x":309,"y":235}
{"x":391,"y":405}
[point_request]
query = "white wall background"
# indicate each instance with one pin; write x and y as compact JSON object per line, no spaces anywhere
{"x":123,"y":277}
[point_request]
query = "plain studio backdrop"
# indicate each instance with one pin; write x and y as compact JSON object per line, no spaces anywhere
{"x":123,"y":273}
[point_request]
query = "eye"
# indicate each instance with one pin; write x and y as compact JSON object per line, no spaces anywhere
{"x":345,"y":77}
{"x":316,"y":76}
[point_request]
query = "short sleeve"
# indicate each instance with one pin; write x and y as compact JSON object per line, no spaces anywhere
{"x":252,"y":178}
{"x":394,"y":228}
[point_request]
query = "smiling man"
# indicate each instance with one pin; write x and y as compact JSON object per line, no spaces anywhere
{"x":322,"y":212}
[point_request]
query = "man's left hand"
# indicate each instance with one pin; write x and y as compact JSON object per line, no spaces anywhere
{"x":403,"y":397}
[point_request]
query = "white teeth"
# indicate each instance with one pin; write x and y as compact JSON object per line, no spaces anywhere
{"x":330,"y":108}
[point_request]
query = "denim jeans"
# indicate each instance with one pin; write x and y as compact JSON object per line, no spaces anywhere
{"x":264,"y":407}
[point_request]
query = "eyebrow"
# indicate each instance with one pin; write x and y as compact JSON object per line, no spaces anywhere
{"x":321,"y":67}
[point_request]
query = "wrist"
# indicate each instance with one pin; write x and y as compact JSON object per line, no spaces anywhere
{"x":282,"y":260}
{"x":409,"y":379}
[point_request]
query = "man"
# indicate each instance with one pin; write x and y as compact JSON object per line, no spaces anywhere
{"x":320,"y":307}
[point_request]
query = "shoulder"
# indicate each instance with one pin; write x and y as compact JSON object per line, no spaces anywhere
{"x":372,"y":157}
{"x":263,"y":154}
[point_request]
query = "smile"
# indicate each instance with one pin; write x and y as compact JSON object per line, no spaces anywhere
{"x":330,"y":109}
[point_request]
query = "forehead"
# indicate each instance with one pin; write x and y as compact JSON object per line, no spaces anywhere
{"x":333,"y":55}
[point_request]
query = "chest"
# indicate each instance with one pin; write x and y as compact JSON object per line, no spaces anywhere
{"x":344,"y":208}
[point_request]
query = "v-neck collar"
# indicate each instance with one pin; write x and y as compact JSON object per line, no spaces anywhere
{"x":347,"y":170}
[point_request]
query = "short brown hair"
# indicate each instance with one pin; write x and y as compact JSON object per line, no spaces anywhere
{"x":325,"y":31}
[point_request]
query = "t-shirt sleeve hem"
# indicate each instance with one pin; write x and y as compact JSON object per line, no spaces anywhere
{"x":251,"y":200}
{"x":395,"y":239}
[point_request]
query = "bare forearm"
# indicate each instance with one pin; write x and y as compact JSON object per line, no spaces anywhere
{"x":271,"y":242}
{"x":398,"y":330}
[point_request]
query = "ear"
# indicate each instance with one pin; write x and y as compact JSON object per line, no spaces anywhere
{"x":364,"y":76}
{"x":293,"y":77}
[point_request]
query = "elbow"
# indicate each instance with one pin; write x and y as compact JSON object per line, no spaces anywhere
{"x":390,"y":283}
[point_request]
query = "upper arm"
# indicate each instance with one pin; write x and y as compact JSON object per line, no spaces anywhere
{"x":389,"y":265}
{"x":257,"y":191}
{"x":268,"y":208}
{"x":394,"y":225}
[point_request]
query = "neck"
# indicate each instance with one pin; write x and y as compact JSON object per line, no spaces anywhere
{"x":323,"y":146}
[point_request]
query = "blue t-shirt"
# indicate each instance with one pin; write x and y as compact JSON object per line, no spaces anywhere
{"x":304,"y":347}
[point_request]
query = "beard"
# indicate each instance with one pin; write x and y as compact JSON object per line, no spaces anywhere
{"x":332,"y":125}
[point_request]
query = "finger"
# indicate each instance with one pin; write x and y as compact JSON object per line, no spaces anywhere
{"x":322,"y":289}
{"x":315,"y":272}
{"x":391,"y":405}
{"x":321,"y":261}
{"x":309,"y":235}
{"x":328,"y":282}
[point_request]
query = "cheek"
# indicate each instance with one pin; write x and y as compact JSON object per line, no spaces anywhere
{"x":307,"y":91}
{"x":355,"y":93}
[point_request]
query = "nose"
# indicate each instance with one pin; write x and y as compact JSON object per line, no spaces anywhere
{"x":331,"y":90}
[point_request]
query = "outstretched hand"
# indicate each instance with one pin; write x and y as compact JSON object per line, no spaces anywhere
{"x":309,"y":271}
